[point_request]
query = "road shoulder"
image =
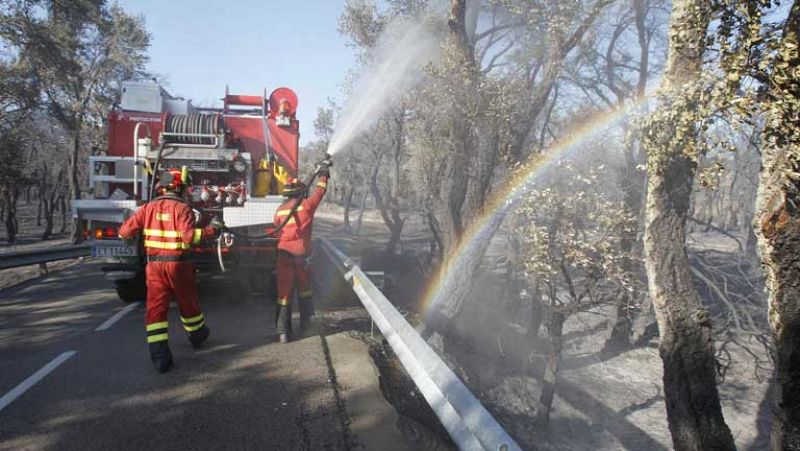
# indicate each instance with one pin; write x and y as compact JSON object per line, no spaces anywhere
{"x":373,"y":421}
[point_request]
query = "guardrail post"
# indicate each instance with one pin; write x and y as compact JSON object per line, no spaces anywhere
{"x":43,"y":269}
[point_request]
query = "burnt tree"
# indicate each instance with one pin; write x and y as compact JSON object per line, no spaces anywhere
{"x":694,"y":413}
{"x":777,"y":226}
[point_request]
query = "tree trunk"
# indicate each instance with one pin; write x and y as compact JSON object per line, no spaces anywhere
{"x":39,"y":212}
{"x":555,"y":328}
{"x":348,"y":203}
{"x":459,"y":270}
{"x":389,"y":212}
{"x":74,"y":185}
{"x":474,"y":154}
{"x":632,"y":182}
{"x":64,"y":213}
{"x":394,"y":239}
{"x":361,"y":213}
{"x":621,"y":325}
{"x":687,"y":350}
{"x":10,"y":200}
{"x":447,"y":208}
{"x":694,"y":413}
{"x":778,"y":228}
{"x":49,"y":211}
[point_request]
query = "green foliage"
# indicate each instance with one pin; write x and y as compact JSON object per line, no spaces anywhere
{"x":18,"y":98}
{"x":759,"y":63}
{"x":79,"y":52}
{"x":749,"y":73}
{"x":571,"y":234}
{"x":362,"y":23}
{"x":12,"y":160}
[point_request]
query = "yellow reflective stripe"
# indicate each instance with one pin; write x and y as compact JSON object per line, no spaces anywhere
{"x":290,"y":221}
{"x":286,"y":212}
{"x":159,"y":337}
{"x":306,"y":293}
{"x":156,"y":326}
{"x":192,"y":319}
{"x":198,"y":235}
{"x":163,"y":233}
{"x":283,"y":301}
{"x":322,"y":185}
{"x":166,"y":245}
{"x":194,"y":328}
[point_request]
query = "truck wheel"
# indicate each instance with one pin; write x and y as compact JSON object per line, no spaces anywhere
{"x":131,"y":290}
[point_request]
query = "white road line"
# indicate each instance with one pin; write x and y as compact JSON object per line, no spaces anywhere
{"x":17,"y":391}
{"x":117,"y":316}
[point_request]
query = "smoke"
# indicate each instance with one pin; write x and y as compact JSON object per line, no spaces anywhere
{"x":403,"y":48}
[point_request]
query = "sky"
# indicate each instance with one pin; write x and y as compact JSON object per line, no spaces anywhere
{"x":198,"y":47}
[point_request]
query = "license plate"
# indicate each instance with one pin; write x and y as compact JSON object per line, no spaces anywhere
{"x":114,"y":251}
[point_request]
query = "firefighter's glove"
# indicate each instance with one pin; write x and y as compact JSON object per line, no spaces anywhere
{"x":323,"y":167}
{"x":216,"y":224}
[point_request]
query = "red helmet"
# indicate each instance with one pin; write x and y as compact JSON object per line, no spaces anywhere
{"x":175,"y":179}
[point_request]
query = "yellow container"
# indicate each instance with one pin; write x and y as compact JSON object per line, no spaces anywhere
{"x":263,"y":175}
{"x":280,"y":176}
{"x":270,"y":178}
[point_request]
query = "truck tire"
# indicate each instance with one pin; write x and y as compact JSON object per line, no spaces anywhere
{"x":131,"y":290}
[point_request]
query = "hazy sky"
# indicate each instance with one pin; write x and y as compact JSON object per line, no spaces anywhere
{"x":200,"y":46}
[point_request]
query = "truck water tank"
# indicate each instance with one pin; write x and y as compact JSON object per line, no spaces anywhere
{"x":141,"y":96}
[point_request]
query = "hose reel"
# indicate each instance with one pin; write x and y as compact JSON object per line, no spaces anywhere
{"x":193,"y":128}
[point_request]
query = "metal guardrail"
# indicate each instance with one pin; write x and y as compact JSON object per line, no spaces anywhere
{"x":43,"y":256}
{"x":469,"y":424}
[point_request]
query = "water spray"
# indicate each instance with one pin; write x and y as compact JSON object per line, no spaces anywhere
{"x":403,"y":48}
{"x":504,"y":200}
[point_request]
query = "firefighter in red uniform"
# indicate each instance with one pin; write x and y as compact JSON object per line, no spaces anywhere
{"x":294,"y":247}
{"x":168,"y":226}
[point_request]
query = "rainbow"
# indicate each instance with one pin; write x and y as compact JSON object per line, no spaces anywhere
{"x":501,"y":203}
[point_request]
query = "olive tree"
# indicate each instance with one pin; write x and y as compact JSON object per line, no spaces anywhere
{"x":671,"y":139}
{"x":79,"y":51}
{"x":572,"y":255}
{"x":778,"y":226}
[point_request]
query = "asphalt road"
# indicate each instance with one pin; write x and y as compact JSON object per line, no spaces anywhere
{"x":96,"y":389}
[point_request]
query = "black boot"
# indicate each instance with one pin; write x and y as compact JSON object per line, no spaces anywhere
{"x":283,"y":323}
{"x":161,"y":356}
{"x":197,"y":337}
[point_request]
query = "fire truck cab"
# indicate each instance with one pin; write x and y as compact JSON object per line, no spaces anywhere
{"x":239,"y":157}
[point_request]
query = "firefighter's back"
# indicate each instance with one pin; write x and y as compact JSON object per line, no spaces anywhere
{"x":165,"y":225}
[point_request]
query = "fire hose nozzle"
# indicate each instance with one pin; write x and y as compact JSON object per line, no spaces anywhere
{"x":325,"y":163}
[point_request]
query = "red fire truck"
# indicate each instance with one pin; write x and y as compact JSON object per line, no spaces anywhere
{"x":239,"y":157}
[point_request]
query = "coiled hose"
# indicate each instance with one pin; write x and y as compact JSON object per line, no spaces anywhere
{"x":193,"y":124}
